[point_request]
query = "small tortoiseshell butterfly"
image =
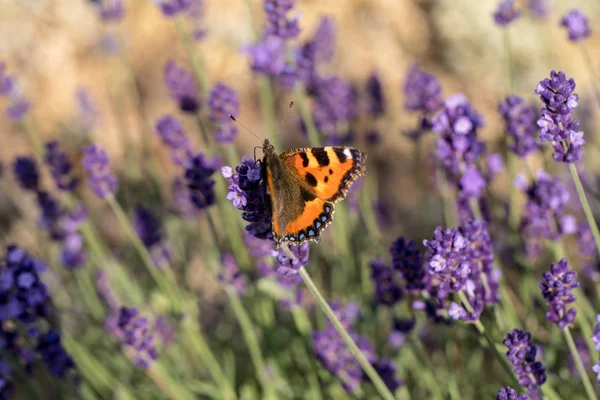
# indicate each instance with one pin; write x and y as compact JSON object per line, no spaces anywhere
{"x":304,"y":184}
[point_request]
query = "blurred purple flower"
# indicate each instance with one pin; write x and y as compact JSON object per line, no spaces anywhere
{"x":61,"y":167}
{"x":520,"y":121}
{"x":87,"y":113}
{"x":110,"y":10}
{"x":577,"y":24}
{"x":422,"y":91}
{"x":596,"y":369}
{"x":73,"y":254}
{"x":171,"y":8}
{"x":198,"y":176}
{"x":95,"y":161}
{"x":223,"y":102}
{"x":260,"y":248}
{"x":17,"y":109}
{"x":506,"y":12}
{"x":248,"y":192}
{"x":54,"y":355}
{"x":279,"y":24}
{"x":446,"y":258}
{"x":508,"y":393}
{"x":231,"y":275}
{"x":540,"y":9}
{"x":558,"y":126}
{"x":376,"y":97}
{"x":585,"y":239}
{"x":556,"y":287}
{"x":387,"y":288}
{"x":472,"y":184}
{"x":51,"y":215}
{"x":408,"y":260}
{"x":151,"y":233}
{"x":386,"y":369}
{"x":6,"y":381}
{"x":521,"y":354}
{"x":18,"y":106}
{"x":182,"y":199}
{"x":105,"y":291}
{"x":133,"y":331}
{"x":182,"y":87}
{"x":335,"y":104}
{"x":172,"y":135}
{"x":26,"y":173}
{"x":268,"y":57}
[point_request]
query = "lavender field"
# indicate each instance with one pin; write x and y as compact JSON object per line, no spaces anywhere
{"x":154,"y":246}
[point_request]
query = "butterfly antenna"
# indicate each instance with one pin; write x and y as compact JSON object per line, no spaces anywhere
{"x":285,"y":117}
{"x":242,"y":125}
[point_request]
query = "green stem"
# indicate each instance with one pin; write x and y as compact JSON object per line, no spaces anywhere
{"x":591,"y":394}
{"x":252,"y":343}
{"x":313,"y":133}
{"x":360,"y":357}
{"x":586,"y":206}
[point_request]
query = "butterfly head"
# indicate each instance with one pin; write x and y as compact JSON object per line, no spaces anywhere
{"x":268,"y":148}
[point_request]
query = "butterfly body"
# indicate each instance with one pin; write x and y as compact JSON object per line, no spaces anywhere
{"x":304,"y":185}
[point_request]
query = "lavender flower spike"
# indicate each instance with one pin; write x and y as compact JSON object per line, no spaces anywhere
{"x":133,"y":331}
{"x":557,"y":122}
{"x":278,"y":22}
{"x":508,"y":393}
{"x":95,"y":161}
{"x":182,"y":87}
{"x":556,"y":287}
{"x":60,"y":167}
{"x":198,"y":176}
{"x":521,"y":353}
{"x":577,"y":24}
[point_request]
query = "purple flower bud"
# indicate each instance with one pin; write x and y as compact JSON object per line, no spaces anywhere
{"x":556,"y":287}
{"x":172,"y":135}
{"x":387,"y":289}
{"x":171,"y":8}
{"x":60,"y":167}
{"x":133,"y":331}
{"x":508,"y":393}
{"x":26,"y":173}
{"x":269,"y":56}
{"x":522,"y":353}
{"x":54,"y":355}
{"x":407,"y":259}
{"x":376,"y":96}
{"x":336,"y":104}
{"x":198,"y":176}
{"x":506,"y":12}
{"x":111,"y":10}
{"x":288,"y":267}
{"x":278,"y":22}
{"x":231,"y":275}
{"x":472,"y":183}
{"x":223,"y":102}
{"x":100,"y":178}
{"x":182,"y":87}
{"x":150,"y":232}
{"x":520,"y":121}
{"x":577,"y":24}
{"x":539,"y":9}
{"x":422,"y":91}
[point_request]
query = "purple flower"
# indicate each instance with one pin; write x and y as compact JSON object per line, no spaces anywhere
{"x":54,"y":355}
{"x":376,"y":96}
{"x":422,"y":91}
{"x":547,"y":199}
{"x":556,"y":287}
{"x":18,"y":107}
{"x":87,"y":113}
{"x":472,"y":184}
{"x":558,"y":126}
{"x":23,"y":296}
{"x":386,"y":369}
{"x":182,"y":199}
{"x":387,"y":288}
{"x":95,"y":161}
{"x":248,"y":192}
{"x":72,"y":253}
{"x":408,"y":260}
{"x":596,"y":335}
{"x":446,"y":258}
{"x":322,"y":42}
{"x":105,"y":291}
{"x":6,"y":382}
{"x":269,"y":56}
{"x":577,"y":24}
{"x":278,"y":22}
{"x":334,"y":354}
{"x":51,"y":215}
{"x":506,"y":12}
{"x":520,"y":121}
{"x":288,"y":267}
{"x":132,"y":330}
{"x":596,"y":369}
{"x":585,"y":239}
{"x":110,"y":10}
{"x":508,"y":393}
{"x":26,"y":173}
{"x":171,"y":8}
{"x":336,"y":104}
{"x":150,"y":232}
{"x":60,"y":167}
{"x":222,"y":102}
{"x":521,"y":354}
{"x":198,"y":176}
{"x":182,"y":87}
{"x":172,"y":135}
{"x":539,"y":8}
{"x":231,"y":275}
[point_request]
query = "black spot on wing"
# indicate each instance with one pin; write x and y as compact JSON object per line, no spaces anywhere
{"x":307,"y":196}
{"x":304,"y":159}
{"x":321,"y":157}
{"x":310,"y":179}
{"x":330,"y":171}
{"x":326,"y":179}
{"x":339,"y":152}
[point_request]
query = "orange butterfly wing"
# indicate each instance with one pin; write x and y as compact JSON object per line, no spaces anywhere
{"x":328,"y":172}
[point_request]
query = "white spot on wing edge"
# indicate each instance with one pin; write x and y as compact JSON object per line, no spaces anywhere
{"x":348,"y":153}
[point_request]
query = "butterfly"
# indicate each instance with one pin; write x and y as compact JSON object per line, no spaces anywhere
{"x":304,"y":185}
